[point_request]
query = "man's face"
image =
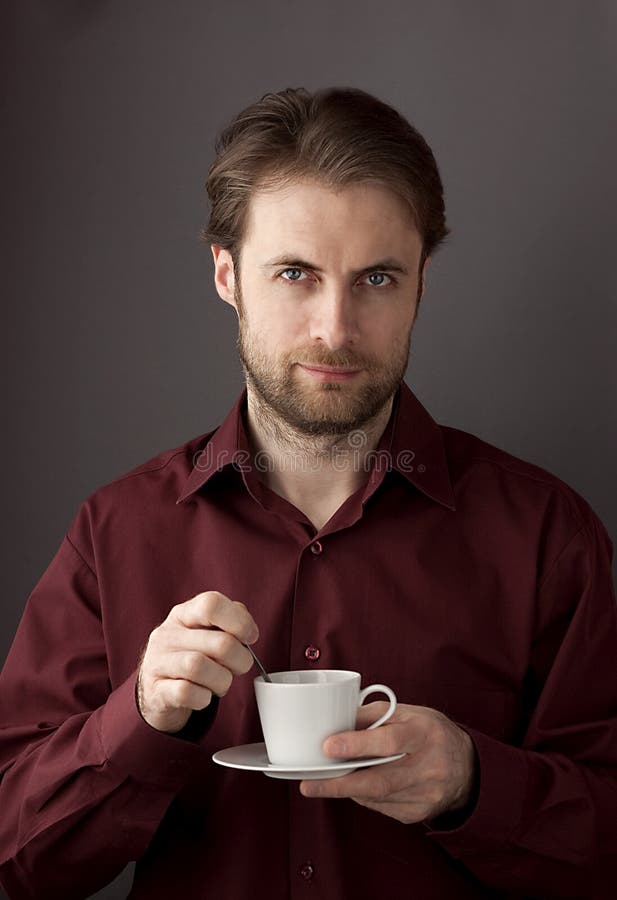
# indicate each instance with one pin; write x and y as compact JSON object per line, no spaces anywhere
{"x":320,"y":288}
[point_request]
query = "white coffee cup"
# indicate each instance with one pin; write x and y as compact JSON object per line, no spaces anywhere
{"x":299,"y":709}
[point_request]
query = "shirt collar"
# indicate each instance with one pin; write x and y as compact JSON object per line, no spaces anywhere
{"x":412,"y":444}
{"x":417,"y":449}
{"x":226,"y":446}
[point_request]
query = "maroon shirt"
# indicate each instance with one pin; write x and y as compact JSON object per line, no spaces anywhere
{"x":468,"y":580}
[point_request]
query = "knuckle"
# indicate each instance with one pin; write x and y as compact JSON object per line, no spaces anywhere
{"x":243,"y":616}
{"x":206,"y":604}
{"x":216,"y":599}
{"x":206,"y":699}
{"x":223,"y":642}
{"x":227,"y":681}
{"x":199,"y":605}
{"x":180,"y":692}
{"x":192,"y":662}
{"x":437,"y":730}
{"x":155,"y":637}
{"x":176,"y":611}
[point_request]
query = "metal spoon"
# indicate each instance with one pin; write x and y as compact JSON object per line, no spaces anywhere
{"x":261,"y":668}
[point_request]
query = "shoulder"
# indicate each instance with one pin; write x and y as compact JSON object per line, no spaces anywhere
{"x":140,"y":496}
{"x":493,"y":475}
{"x":161,"y":475}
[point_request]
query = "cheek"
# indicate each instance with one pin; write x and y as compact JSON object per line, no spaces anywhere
{"x":274,"y":310}
{"x":388,"y":331}
{"x":284,"y":326}
{"x":275,"y":333}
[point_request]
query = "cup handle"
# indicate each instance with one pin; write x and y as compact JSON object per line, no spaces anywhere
{"x":379,"y":689}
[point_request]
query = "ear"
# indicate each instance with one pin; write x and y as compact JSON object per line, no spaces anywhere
{"x":423,"y":276}
{"x":224,"y":278}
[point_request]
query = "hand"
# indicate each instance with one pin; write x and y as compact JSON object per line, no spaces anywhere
{"x":435,"y":776}
{"x":193,"y":654}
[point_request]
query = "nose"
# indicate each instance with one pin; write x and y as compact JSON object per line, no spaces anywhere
{"x":334,"y":320}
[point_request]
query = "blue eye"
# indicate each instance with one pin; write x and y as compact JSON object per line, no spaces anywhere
{"x":284,"y":272}
{"x":378,"y":275}
{"x":300,"y":272}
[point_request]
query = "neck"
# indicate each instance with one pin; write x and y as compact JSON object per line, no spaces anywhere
{"x":312,"y":470}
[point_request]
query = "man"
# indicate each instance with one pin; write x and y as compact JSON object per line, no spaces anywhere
{"x":332,"y":523}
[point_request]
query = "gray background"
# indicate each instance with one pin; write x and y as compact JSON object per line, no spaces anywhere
{"x":115,"y":343}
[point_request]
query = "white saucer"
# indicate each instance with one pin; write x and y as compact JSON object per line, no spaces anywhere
{"x":253,"y":758}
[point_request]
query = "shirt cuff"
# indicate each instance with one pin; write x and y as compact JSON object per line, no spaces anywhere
{"x":140,"y":751}
{"x":500,"y":792}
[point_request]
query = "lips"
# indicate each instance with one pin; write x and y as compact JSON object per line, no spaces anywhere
{"x":329,"y":373}
{"x":330,"y":370}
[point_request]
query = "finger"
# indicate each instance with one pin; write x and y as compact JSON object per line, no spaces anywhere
{"x":375,"y":784}
{"x":404,"y":712}
{"x":212,"y":609}
{"x":388,"y":739}
{"x":219,"y":646}
{"x":370,"y":712}
{"x":196,"y":669}
{"x":178,"y":693}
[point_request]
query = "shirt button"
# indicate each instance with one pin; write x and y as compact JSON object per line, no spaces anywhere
{"x":316,"y":548}
{"x":312,"y":653}
{"x":307,"y":871}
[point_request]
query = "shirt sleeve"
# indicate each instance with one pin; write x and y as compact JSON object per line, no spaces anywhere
{"x":84,"y":780}
{"x":543,"y":824}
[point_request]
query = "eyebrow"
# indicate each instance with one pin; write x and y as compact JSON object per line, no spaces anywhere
{"x":383,"y":265}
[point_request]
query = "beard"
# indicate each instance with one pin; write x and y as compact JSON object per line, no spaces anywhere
{"x":323,"y":408}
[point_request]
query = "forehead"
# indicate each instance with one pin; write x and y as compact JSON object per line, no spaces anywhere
{"x":310,"y":215}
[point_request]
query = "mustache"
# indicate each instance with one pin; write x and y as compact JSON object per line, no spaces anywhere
{"x":338,"y":360}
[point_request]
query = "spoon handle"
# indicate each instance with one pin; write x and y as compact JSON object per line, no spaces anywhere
{"x":261,"y":668}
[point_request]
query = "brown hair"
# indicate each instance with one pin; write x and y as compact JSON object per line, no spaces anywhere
{"x":338,"y":136}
